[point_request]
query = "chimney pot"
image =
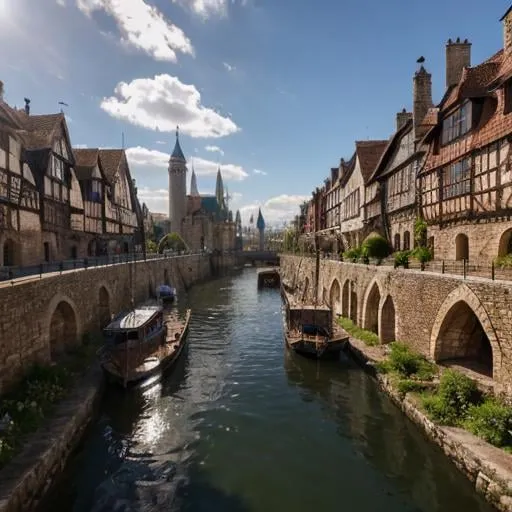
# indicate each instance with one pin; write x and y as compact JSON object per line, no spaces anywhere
{"x":422,"y":99}
{"x":458,"y":57}
{"x":402,"y":118}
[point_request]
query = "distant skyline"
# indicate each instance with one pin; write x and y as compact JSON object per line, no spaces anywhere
{"x":275,"y":92}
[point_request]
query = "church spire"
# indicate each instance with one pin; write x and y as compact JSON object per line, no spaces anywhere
{"x":193,"y":184}
{"x":177,"y":153}
{"x":219,"y":190}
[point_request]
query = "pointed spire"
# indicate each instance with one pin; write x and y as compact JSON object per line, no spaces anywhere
{"x":238,"y":218}
{"x":193,"y":184}
{"x":260,"y":223}
{"x":219,"y":190}
{"x":177,"y":153}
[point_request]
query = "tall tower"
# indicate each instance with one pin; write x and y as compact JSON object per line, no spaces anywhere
{"x":260,"y":224}
{"x":177,"y":186}
{"x":219,"y":195}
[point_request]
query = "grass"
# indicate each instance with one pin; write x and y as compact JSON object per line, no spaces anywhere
{"x":23,"y":410}
{"x":369,"y":338}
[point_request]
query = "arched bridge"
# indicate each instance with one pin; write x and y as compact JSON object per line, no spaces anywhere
{"x":271,"y":257}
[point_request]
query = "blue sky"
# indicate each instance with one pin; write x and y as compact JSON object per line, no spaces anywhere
{"x":282,"y":87}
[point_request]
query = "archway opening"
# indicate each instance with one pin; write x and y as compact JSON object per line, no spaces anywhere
{"x":353,"y":302}
{"x":462,"y":341}
{"x":407,"y":241}
{"x":9,"y":253}
{"x":63,"y":329}
{"x":345,"y":299}
{"x":334,"y":296}
{"x":126,"y":247}
{"x":505,"y":244}
{"x":104,"y":307}
{"x":388,"y":321}
{"x":396,"y":242}
{"x":461,"y":247}
{"x":371,"y":314}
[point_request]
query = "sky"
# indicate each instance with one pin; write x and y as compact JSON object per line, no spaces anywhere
{"x":273,"y":91}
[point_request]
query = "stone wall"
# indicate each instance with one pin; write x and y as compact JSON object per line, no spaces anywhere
{"x":447,"y":318}
{"x":39,"y":317}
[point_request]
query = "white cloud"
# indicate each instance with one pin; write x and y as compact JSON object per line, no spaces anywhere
{"x":214,"y":149}
{"x":259,"y":171}
{"x":143,"y":26}
{"x":62,"y":3}
{"x":161,"y":103}
{"x":162,"y":142}
{"x":144,"y":157}
{"x":275,"y":211}
{"x":229,"y":67}
{"x":208,"y":8}
{"x":157,"y":200}
{"x":80,"y":146}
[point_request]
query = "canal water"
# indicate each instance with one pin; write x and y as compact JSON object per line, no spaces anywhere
{"x":243,"y":425}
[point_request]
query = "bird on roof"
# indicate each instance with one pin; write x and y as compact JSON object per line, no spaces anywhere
{"x":421,"y":60}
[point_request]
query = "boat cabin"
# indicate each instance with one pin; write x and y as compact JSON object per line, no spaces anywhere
{"x":311,"y":320}
{"x":140,"y":324}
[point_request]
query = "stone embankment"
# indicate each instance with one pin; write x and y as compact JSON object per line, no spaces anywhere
{"x":487,"y":467}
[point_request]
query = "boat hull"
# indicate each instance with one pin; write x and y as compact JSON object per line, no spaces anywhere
{"x":326,"y":350}
{"x":167,"y":356}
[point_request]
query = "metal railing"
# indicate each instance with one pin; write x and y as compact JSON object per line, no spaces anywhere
{"x":464,"y":268}
{"x":16,"y":273}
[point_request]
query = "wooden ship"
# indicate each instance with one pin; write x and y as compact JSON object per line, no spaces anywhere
{"x":142,"y":344}
{"x":268,"y":278}
{"x":309,"y":328}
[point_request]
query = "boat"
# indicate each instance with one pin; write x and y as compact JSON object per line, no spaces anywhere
{"x":268,"y":278}
{"x":166,"y":293}
{"x":310,"y":329}
{"x":142,"y":344}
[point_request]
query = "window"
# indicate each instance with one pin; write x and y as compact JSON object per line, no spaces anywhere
{"x":457,"y":124}
{"x":93,"y":189}
{"x":351,"y":205}
{"x":57,"y":170}
{"x":457,"y":179}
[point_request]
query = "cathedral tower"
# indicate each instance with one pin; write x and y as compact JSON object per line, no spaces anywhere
{"x":177,"y":186}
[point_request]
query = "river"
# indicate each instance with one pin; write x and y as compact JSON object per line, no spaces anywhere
{"x":243,"y":425}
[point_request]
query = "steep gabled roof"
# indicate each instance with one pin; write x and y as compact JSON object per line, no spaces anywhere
{"x":110,"y":161}
{"x":390,"y":150}
{"x":85,"y":162}
{"x":369,"y":153}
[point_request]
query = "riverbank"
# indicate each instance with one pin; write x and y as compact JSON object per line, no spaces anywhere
{"x":489,"y":468}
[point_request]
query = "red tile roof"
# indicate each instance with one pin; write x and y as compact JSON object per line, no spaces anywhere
{"x":369,"y":153}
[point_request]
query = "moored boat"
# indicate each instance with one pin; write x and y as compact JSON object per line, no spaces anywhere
{"x":142,"y":344}
{"x":268,"y":278}
{"x":166,"y":294}
{"x":310,"y":329}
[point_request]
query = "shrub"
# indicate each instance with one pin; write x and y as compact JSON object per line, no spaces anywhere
{"x":492,"y":421}
{"x":352,"y":254}
{"x":408,"y":363}
{"x":422,"y":254}
{"x":402,"y":259}
{"x":377,"y":247}
{"x":504,"y":261}
{"x":456,"y":394}
{"x":420,"y":232}
{"x":410,"y":386}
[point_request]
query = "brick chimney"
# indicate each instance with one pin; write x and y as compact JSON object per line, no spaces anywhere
{"x":402,"y":118}
{"x":422,"y":98}
{"x":507,"y":29}
{"x":458,"y":57}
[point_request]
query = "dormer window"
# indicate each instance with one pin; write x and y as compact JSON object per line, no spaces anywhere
{"x":457,"y":124}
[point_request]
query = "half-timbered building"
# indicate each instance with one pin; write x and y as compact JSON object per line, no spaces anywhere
{"x":354,"y":179}
{"x":466,"y":185}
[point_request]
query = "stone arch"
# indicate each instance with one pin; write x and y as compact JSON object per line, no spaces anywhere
{"x":335,"y":295}
{"x":461,"y":247}
{"x":396,"y":242}
{"x":104,"y":313}
{"x":388,"y":321}
{"x":353,"y":302}
{"x":63,"y":325}
{"x":9,"y":255}
{"x":463,"y":333}
{"x":371,"y":305}
{"x":505,"y":243}
{"x":345,"y":299}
